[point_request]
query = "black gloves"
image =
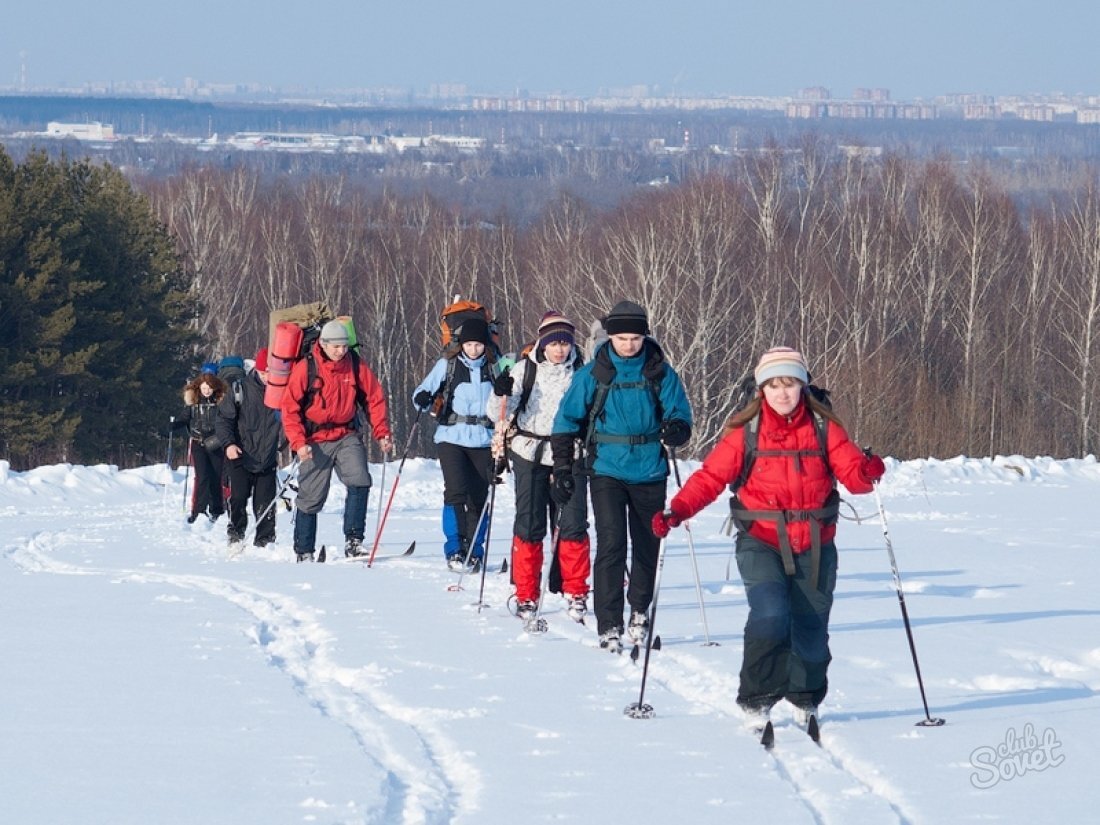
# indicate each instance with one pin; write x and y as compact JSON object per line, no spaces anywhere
{"x":563,"y":486}
{"x":502,"y":384}
{"x":423,"y":399}
{"x":675,"y":433}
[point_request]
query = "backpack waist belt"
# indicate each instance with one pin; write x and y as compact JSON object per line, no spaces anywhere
{"x":782,"y":518}
{"x":313,"y":426}
{"x":632,"y":440}
{"x":483,"y":420}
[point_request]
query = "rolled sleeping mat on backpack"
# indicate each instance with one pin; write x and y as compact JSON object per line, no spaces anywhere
{"x":278,"y":374}
{"x":287,"y":341}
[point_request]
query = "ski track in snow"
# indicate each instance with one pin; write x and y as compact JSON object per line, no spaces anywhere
{"x":835,"y":786}
{"x":437,"y":787}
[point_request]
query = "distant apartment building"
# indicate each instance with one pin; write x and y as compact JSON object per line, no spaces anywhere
{"x":80,"y":131}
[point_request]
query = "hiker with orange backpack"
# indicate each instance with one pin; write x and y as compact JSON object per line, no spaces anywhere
{"x":456,"y":391}
{"x":534,"y":388}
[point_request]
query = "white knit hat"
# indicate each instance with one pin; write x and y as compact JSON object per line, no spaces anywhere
{"x":334,"y":332}
{"x":781,"y":361}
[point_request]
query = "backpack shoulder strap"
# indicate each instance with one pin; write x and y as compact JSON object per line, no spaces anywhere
{"x":751,"y":432}
{"x":530,"y":370}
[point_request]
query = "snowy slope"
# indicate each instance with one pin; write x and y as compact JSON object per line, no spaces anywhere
{"x":149,"y":678}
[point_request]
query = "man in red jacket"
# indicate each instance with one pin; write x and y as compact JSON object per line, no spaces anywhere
{"x":323,"y":396}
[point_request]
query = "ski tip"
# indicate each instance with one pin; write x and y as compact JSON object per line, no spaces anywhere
{"x":813,"y":731}
{"x":656,"y":642}
{"x":635,"y":652}
{"x":767,"y":737}
{"x":410,"y":549}
{"x":322,"y":556}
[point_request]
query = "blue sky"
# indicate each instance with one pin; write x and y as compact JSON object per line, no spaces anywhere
{"x":573,"y":46}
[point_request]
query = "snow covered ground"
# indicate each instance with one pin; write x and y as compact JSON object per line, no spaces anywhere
{"x":149,"y":678}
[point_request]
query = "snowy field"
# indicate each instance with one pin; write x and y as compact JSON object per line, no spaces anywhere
{"x":148,"y":678}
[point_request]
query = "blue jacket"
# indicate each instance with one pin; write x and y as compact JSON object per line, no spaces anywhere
{"x":630,"y":410}
{"x":469,"y":399}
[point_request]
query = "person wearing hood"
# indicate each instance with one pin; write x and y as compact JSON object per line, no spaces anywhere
{"x":534,"y":389}
{"x":785,"y":510}
{"x":624,"y":407}
{"x":456,"y":391}
{"x":324,"y":394}
{"x":199,"y":418}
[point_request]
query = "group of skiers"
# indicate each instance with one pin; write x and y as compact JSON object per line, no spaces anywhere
{"x":572,"y":430}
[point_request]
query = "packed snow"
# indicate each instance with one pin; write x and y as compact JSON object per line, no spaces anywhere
{"x":149,"y":677}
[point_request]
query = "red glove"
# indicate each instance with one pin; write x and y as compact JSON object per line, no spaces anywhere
{"x":663,"y":522}
{"x":872,"y":469}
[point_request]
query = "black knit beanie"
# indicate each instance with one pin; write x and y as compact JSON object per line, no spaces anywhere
{"x":626,"y":318}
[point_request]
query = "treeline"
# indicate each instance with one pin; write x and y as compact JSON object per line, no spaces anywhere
{"x":95,"y":316}
{"x":948,"y":316}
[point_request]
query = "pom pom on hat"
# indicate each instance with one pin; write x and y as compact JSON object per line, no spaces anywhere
{"x":556,"y":327}
{"x":781,"y":362}
{"x":626,"y":318}
{"x":334,"y":332}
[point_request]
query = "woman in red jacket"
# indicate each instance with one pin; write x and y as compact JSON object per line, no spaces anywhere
{"x":785,"y":510}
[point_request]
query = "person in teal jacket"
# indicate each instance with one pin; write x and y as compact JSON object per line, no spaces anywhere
{"x":626,"y":405}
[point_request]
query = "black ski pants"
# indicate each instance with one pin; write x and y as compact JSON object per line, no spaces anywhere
{"x":619,"y":509}
{"x":261,"y":488}
{"x":207,"y":495}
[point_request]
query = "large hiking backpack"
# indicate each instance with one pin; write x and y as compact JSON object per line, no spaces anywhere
{"x":292,"y":332}
{"x":450,"y":321}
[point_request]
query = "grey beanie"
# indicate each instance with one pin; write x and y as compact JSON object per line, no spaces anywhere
{"x":626,"y":318}
{"x":334,"y":332}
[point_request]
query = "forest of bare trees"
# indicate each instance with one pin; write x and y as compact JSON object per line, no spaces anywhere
{"x":948,"y":314}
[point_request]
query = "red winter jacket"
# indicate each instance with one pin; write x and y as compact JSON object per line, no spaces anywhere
{"x":333,"y":405}
{"x":777,"y":482}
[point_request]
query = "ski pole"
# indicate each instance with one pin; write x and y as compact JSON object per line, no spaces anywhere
{"x":485,"y":510}
{"x":187,"y":472}
{"x":381,"y":487}
{"x":928,"y":720}
{"x":397,"y":478}
{"x":488,"y":534}
{"x":171,"y":438}
{"x":291,"y":472}
{"x":499,"y":467}
{"x":691,"y":550}
{"x":639,"y":709}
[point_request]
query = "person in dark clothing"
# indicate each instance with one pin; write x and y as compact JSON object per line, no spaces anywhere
{"x":199,"y":417}
{"x":625,"y":405}
{"x":252,"y":434}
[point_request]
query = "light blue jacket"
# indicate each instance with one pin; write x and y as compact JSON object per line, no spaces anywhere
{"x":469,"y":399}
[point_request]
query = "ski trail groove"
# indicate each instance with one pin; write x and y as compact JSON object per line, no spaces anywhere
{"x":836,"y":790}
{"x":434,"y":786}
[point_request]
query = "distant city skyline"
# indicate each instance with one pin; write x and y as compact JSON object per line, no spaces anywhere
{"x":571,"y":47}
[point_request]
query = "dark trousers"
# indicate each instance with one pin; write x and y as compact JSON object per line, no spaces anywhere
{"x":207,"y":496}
{"x":261,"y":488}
{"x":466,"y":475}
{"x":619,"y":509}
{"x":534,"y":504}
{"x":787,"y":632}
